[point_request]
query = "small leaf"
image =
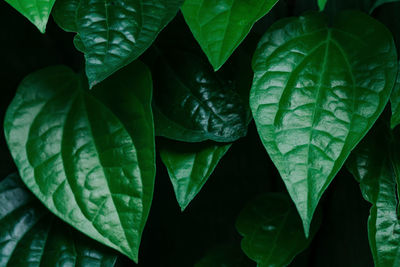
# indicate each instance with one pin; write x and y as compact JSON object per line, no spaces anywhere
{"x":192,"y":103}
{"x":395,"y":103}
{"x":31,"y":236}
{"x":220,"y":26}
{"x":190,"y":165}
{"x":112,"y":34}
{"x":271,"y":230}
{"x":317,"y":90}
{"x":89,"y":159}
{"x":375,"y":164}
{"x":322,"y":4}
{"x":36,"y":11}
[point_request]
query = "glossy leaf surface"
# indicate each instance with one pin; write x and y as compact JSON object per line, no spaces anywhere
{"x":395,"y":103}
{"x":89,"y":159}
{"x":316,"y":92}
{"x":31,"y":236}
{"x":112,"y":34}
{"x":193,"y":104}
{"x":220,"y":26}
{"x":190,"y":165}
{"x":272,"y":230}
{"x":375,"y":164}
{"x":36,"y":11}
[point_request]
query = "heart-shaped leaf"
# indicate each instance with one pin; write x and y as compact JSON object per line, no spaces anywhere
{"x":220,"y":26}
{"x":88,"y":157}
{"x":31,"y":236}
{"x":375,"y":164}
{"x":190,"y":165}
{"x":36,"y":11}
{"x":112,"y":34}
{"x":271,"y":230}
{"x":317,"y":90}
{"x":192,"y":103}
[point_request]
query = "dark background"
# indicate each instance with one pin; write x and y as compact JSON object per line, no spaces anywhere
{"x":173,"y":238}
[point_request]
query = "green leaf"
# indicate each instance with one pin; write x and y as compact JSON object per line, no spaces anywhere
{"x":271,"y":230}
{"x":89,"y":159}
{"x":220,"y":26}
{"x":190,"y":165}
{"x":375,"y":164}
{"x":31,"y":236}
{"x":112,"y":34}
{"x":377,"y":3}
{"x":36,"y":11}
{"x":395,"y":103}
{"x":316,"y":92}
{"x":192,"y":103}
{"x":322,"y":4}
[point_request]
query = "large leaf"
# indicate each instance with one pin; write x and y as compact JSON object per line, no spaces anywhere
{"x":89,"y":160}
{"x":375,"y":163}
{"x":113,"y":33}
{"x":192,"y":103}
{"x":395,"y":103}
{"x":37,"y":11}
{"x":271,"y":230}
{"x":316,"y":92}
{"x":190,"y":165}
{"x":31,"y":236}
{"x":220,"y":26}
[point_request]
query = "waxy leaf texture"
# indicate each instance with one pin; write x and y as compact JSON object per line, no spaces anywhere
{"x":272,"y":230}
{"x":192,"y":103}
{"x":112,"y":34}
{"x":80,"y":153}
{"x":190,"y":165}
{"x":316,"y":92}
{"x":220,"y":26}
{"x":36,"y":11}
{"x":375,"y":164}
{"x":31,"y":236}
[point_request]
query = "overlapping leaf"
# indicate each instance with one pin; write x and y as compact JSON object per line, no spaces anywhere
{"x":224,"y":255}
{"x":31,"y":236}
{"x":316,"y":92}
{"x":89,"y":159}
{"x":37,"y":11}
{"x":375,"y":163}
{"x":271,"y":230}
{"x":112,"y":34}
{"x":190,"y":165}
{"x":192,"y":103}
{"x":220,"y":26}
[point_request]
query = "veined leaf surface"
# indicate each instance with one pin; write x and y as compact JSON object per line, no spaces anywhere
{"x":88,"y":157}
{"x":36,"y":11}
{"x":375,"y":164}
{"x":220,"y":26}
{"x":112,"y":34}
{"x":316,"y":92}
{"x":31,"y":236}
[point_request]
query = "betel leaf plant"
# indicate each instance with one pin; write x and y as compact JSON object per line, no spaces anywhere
{"x":200,"y":133}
